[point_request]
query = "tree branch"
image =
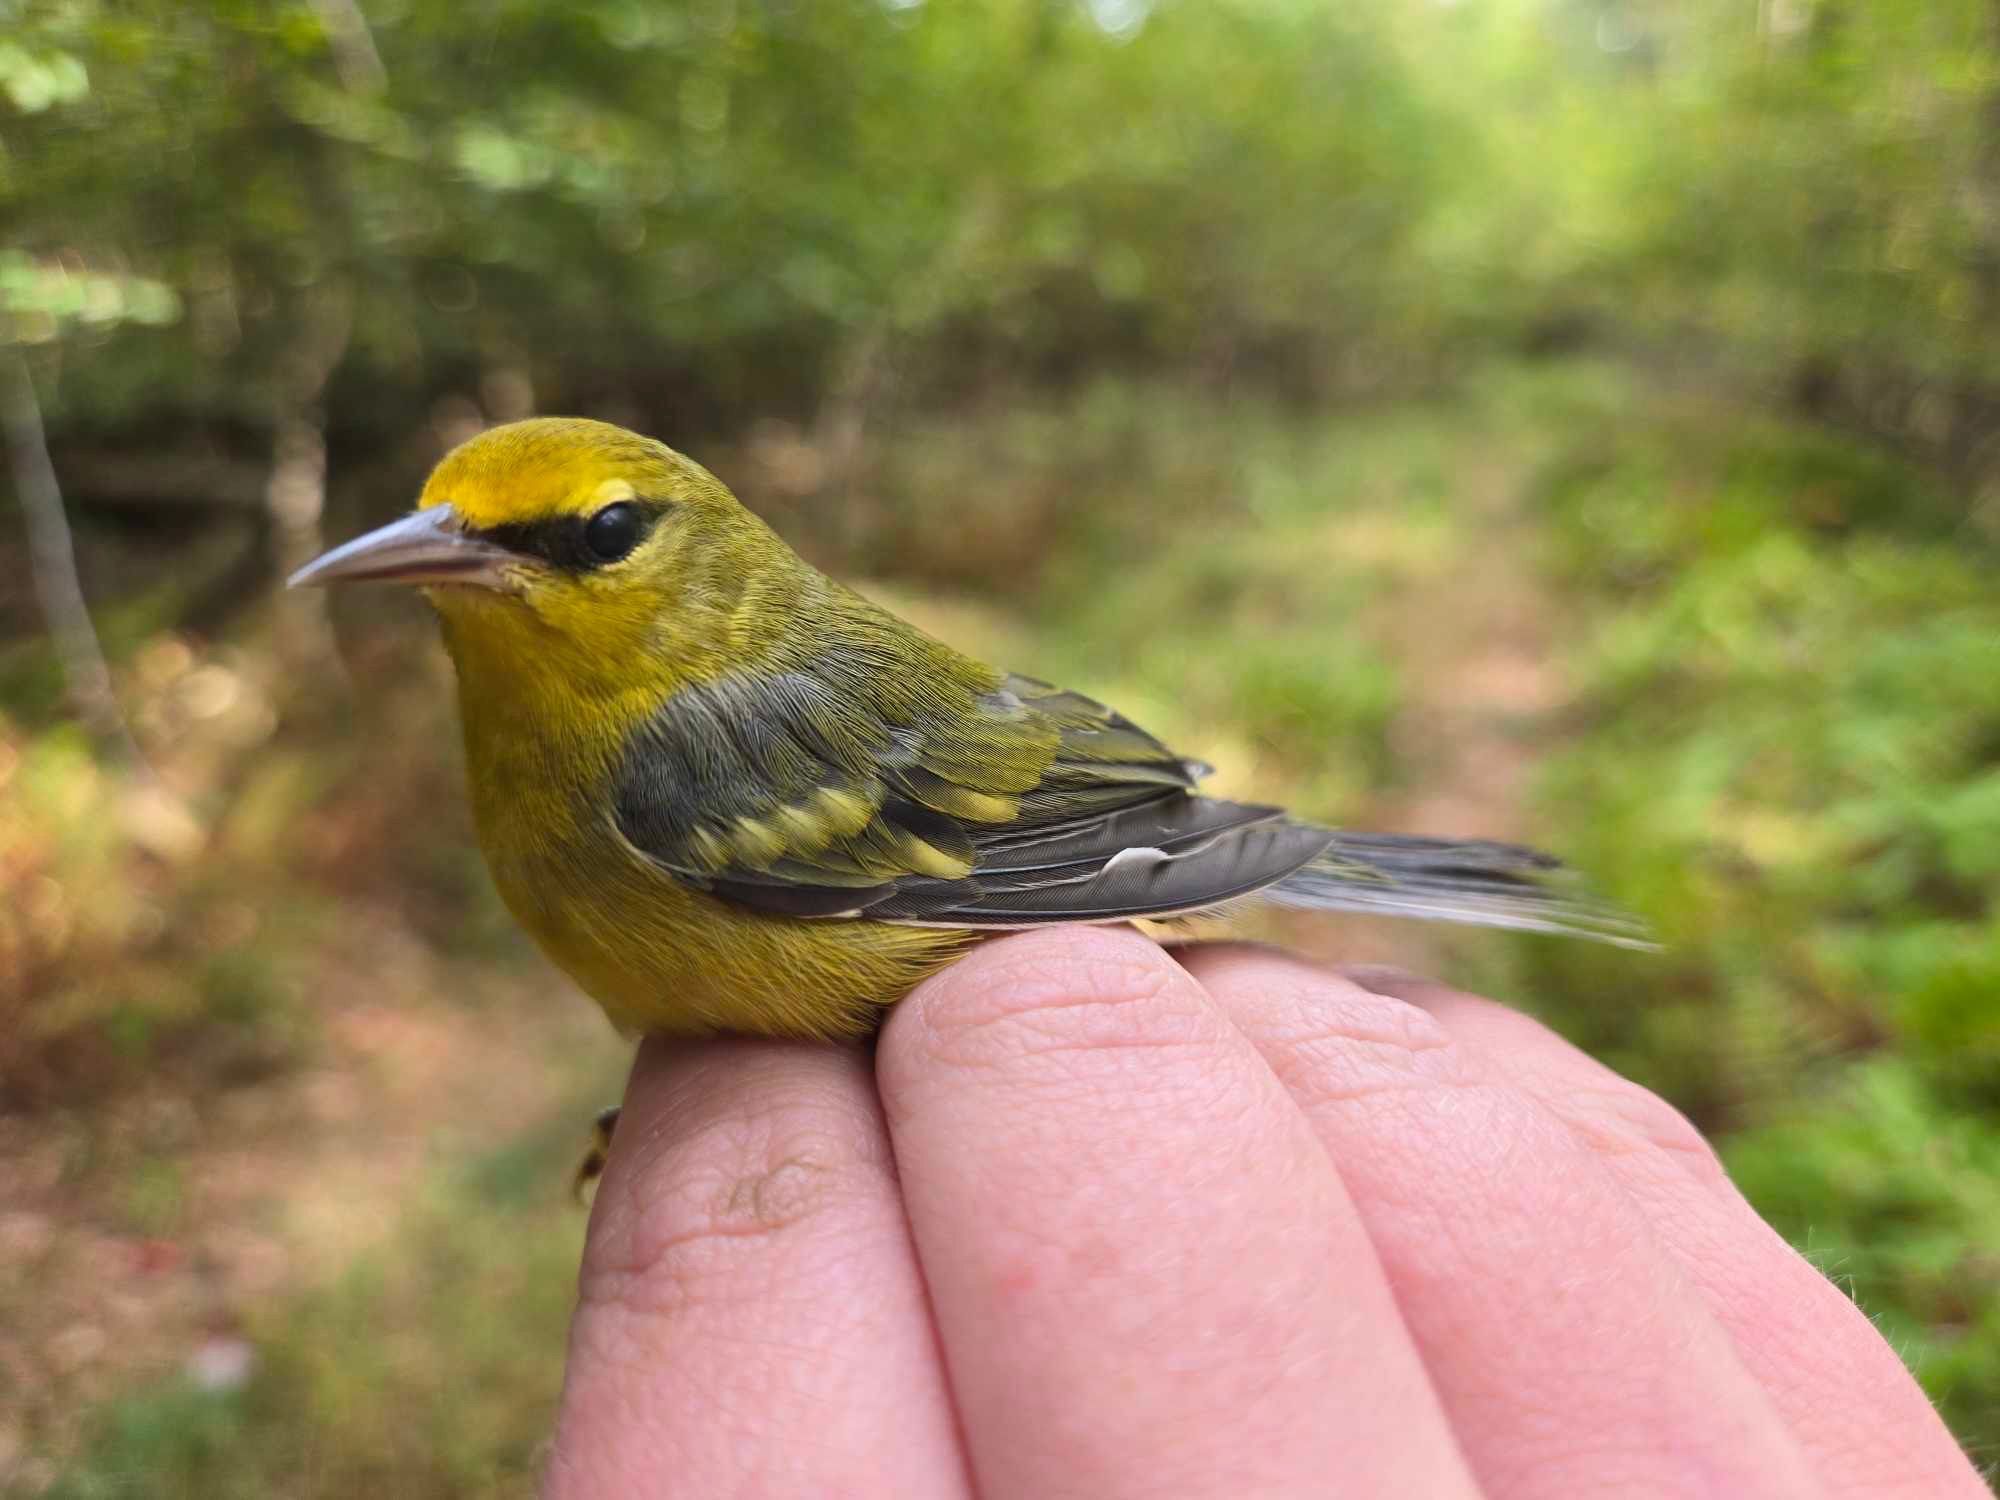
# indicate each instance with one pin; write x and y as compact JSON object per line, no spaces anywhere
{"x":52,"y":559}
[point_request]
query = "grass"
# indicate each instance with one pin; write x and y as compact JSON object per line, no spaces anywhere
{"x":1777,"y":737}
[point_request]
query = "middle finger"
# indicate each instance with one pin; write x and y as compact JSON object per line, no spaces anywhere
{"x":1144,"y":1271}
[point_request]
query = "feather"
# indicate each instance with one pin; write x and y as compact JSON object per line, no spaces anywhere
{"x":1120,"y":880}
{"x":832,"y":791}
{"x":1478,"y":881}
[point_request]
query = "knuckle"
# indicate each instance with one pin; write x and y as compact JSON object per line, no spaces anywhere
{"x":1077,"y":990}
{"x":1336,"y":1043}
{"x":1622,"y":1119}
{"x":696,"y":1215}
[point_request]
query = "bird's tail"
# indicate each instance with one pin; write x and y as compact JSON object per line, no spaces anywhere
{"x":1476,"y":881}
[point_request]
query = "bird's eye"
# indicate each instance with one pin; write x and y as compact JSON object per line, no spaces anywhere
{"x":614,"y":531}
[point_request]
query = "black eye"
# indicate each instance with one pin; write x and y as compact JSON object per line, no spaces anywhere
{"x":614,"y":531}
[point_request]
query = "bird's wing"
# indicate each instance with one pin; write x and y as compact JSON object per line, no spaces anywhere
{"x":1023,"y":804}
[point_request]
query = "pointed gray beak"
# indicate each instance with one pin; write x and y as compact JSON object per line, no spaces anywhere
{"x":427,"y":546}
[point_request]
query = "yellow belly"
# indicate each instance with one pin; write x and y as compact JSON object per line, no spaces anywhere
{"x":660,"y":957}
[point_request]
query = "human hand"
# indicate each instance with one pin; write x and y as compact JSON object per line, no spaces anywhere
{"x":1100,"y":1220}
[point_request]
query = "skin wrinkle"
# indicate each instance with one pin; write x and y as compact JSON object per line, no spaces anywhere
{"x":1336,"y":1041}
{"x":1614,"y":1116}
{"x":774,"y":1170}
{"x":1323,"y":1066}
{"x":1127,"y":1002}
{"x":1123,"y":1018}
{"x":1630,"y":1122}
{"x":681,"y":1239}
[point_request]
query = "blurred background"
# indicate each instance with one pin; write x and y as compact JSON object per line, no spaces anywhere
{"x":1570,"y":420}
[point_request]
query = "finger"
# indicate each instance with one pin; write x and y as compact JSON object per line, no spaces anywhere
{"x":1568,"y":1353}
{"x":1836,"y":1382}
{"x":1144,"y":1273}
{"x":750,"y":1317}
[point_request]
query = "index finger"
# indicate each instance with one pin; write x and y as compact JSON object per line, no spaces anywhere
{"x":750,"y":1317}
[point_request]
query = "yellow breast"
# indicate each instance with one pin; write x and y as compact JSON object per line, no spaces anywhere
{"x":657,"y":955}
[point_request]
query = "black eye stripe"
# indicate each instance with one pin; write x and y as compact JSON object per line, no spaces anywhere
{"x":562,"y":541}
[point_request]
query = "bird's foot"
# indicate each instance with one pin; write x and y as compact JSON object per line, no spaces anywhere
{"x":592,"y":1166}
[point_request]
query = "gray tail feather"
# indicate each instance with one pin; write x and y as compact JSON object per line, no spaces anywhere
{"x":1484,"y":883}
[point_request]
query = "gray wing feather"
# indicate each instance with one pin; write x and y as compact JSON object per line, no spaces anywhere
{"x":1110,"y":830}
{"x":1179,"y":855}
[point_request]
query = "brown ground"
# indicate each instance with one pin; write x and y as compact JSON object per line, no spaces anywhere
{"x":1473,"y":640}
{"x":274,"y":1185}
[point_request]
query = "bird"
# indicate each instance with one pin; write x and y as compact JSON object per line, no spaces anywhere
{"x":728,"y":794}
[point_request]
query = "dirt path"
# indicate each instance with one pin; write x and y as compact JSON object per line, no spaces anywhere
{"x":156,"y":1234}
{"x":1474,"y":644}
{"x":1471,"y":637}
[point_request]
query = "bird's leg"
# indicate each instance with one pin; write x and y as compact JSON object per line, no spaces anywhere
{"x":592,"y":1166}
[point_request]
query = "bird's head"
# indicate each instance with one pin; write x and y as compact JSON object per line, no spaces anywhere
{"x":565,"y":541}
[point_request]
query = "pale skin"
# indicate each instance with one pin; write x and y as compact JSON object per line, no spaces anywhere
{"x":1097,"y":1219}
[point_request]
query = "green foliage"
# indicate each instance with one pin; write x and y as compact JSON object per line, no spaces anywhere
{"x":37,"y":302}
{"x":1791,"y":763}
{"x":173,"y":1441}
{"x":1799,"y":196}
{"x":696,"y":207}
{"x":758,"y":195}
{"x":1894,"y":1191}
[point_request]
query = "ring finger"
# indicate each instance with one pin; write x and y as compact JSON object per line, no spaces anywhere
{"x":1558,"y":1332}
